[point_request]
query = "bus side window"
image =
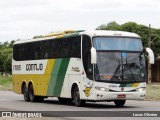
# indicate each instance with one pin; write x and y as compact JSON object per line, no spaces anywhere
{"x":65,"y":48}
{"x":17,"y":53}
{"x":37,"y":51}
{"x":58,"y":48}
{"x":53,"y":49}
{"x":44,"y":51}
{"x":75,"y":47}
{"x":29,"y":51}
{"x":86,"y":55}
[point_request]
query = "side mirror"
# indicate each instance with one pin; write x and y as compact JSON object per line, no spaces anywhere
{"x":93,"y":56}
{"x":150,"y":55}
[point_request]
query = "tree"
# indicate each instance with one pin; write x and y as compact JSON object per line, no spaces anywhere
{"x":11,"y":43}
{"x":6,"y":56}
{"x":8,"y":63}
{"x":110,"y":26}
{"x":129,"y":27}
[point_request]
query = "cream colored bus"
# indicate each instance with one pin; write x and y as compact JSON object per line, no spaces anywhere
{"x":81,"y":66}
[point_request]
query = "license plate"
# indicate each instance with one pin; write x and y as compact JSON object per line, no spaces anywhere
{"x":121,"y":96}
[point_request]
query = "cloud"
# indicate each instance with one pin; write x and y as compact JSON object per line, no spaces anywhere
{"x":20,"y":3}
{"x":25,"y":19}
{"x":102,"y":4}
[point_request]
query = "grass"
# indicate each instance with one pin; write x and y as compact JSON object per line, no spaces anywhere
{"x":5,"y":83}
{"x":153,"y":90}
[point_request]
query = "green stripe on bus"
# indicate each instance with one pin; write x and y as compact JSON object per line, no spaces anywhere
{"x":129,"y":85}
{"x":61,"y":76}
{"x":53,"y":78}
{"x":122,"y":85}
{"x":126,"y":85}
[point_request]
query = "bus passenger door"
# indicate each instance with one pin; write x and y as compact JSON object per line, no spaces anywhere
{"x":88,"y":67}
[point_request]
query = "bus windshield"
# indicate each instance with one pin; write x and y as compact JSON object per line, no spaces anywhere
{"x":119,"y":59}
{"x":117,"y":43}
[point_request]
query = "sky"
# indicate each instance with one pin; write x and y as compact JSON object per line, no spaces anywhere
{"x":24,"y":19}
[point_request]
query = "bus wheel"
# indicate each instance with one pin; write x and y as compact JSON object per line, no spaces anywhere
{"x":25,"y":93}
{"x":76,"y":98}
{"x":119,"y":103}
{"x":31,"y":95}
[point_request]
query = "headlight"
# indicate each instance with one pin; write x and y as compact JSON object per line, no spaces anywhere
{"x":140,"y":89}
{"x":101,"y":88}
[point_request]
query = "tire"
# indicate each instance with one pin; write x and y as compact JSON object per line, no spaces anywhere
{"x":76,"y":98}
{"x":31,"y":95}
{"x":119,"y":103}
{"x":25,"y":93}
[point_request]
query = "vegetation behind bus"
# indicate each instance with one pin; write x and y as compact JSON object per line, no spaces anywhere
{"x":6,"y":57}
{"x":6,"y":83}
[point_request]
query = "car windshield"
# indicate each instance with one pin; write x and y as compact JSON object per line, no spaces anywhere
{"x":123,"y":64}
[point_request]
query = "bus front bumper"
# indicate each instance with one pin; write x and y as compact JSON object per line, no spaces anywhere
{"x":103,"y":95}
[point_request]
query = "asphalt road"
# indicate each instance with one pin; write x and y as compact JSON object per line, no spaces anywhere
{"x":10,"y":101}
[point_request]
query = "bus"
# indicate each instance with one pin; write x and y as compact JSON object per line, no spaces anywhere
{"x":81,"y":66}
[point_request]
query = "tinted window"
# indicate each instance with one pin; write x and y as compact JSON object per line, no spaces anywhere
{"x":75,"y":50}
{"x":86,"y":47}
{"x":48,"y":49}
{"x":54,"y":48}
{"x":65,"y":48}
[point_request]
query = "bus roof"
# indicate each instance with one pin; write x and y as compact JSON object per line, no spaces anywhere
{"x":90,"y":33}
{"x":109,"y":33}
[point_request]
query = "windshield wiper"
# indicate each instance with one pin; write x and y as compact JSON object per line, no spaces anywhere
{"x":129,"y":66}
{"x":115,"y":73}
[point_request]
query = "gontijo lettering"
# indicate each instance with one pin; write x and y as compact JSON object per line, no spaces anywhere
{"x":34,"y":67}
